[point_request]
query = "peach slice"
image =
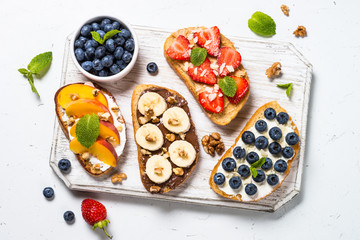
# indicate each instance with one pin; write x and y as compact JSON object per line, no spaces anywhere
{"x":106,"y":130}
{"x":101,"y":149}
{"x":76,"y":91}
{"x":83,"y":106}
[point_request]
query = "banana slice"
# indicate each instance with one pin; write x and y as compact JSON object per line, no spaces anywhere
{"x":150,"y":137}
{"x":158,"y":169}
{"x":176,"y":120}
{"x":182,"y":153}
{"x":151,"y":104}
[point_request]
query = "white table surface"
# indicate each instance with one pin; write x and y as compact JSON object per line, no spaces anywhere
{"x":327,"y":206}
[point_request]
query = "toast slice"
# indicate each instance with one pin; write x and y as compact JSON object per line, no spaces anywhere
{"x":230,"y":110}
{"x":178,"y":174}
{"x":263,"y":187}
{"x":90,"y":163}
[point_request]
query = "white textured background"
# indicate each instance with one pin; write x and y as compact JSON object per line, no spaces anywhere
{"x":327,"y":207}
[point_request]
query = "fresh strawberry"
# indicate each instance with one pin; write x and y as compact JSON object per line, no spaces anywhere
{"x":179,"y":49}
{"x":209,"y":39}
{"x":228,"y":58}
{"x":242,"y":88}
{"x":94,"y":214}
{"x":203,"y":73}
{"x":212,"y":99}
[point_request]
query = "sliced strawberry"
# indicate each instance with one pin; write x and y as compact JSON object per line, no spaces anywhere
{"x":209,"y":39}
{"x":179,"y":49}
{"x":228,"y":58}
{"x":212,"y":99}
{"x":202,"y":73}
{"x":242,"y":88}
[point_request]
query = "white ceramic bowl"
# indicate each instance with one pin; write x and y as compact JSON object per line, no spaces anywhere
{"x":123,"y":72}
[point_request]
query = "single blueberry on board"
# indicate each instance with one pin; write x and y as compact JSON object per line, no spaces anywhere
{"x":48,"y":192}
{"x":69,"y":217}
{"x":64,"y":165}
{"x":152,"y":67}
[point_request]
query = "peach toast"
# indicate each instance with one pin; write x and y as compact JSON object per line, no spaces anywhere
{"x":98,"y":146}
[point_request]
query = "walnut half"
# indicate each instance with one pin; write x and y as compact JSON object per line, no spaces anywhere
{"x":274,"y":70}
{"x":300,"y":31}
{"x":285,"y":9}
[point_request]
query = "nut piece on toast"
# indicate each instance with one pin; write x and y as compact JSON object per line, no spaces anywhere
{"x":221,"y":60}
{"x":168,"y":149}
{"x":261,"y":157}
{"x":78,"y":100}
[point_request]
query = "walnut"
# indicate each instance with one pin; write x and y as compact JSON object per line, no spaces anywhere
{"x":216,"y":135}
{"x":285,"y":9}
{"x":171,"y":100}
{"x":118,"y":177}
{"x":95,"y":92}
{"x":119,"y":128}
{"x":150,"y":138}
{"x":158,"y":171}
{"x":300,"y":31}
{"x":170,"y":137}
{"x":155,"y":120}
{"x":211,"y":151}
{"x":205,"y":140}
{"x":220,"y":148}
{"x":70,"y":121}
{"x":155,"y":189}
{"x":274,"y":70}
{"x":182,"y":153}
{"x":164,"y":150}
{"x":145,"y":152}
{"x":173,"y":121}
{"x":212,"y":143}
{"x":178,"y":171}
{"x":85,"y":155}
{"x":143,"y":120}
{"x":182,"y":136}
{"x":149,"y":112}
{"x":74,"y":96}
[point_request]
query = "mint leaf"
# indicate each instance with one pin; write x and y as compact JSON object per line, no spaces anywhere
{"x":288,"y":87}
{"x":23,"y":71}
{"x":253,"y":172}
{"x":198,"y":56}
{"x":31,"y":81}
{"x":262,"y":24}
{"x":259,"y":162}
{"x":110,"y":34}
{"x":40,"y":62}
{"x":96,"y":37}
{"x":228,"y":86}
{"x":87,"y":129}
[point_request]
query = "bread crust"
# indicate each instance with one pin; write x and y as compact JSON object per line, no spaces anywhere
{"x":85,"y":164}
{"x":259,"y":114}
{"x":134,"y":101}
{"x":230,"y":110}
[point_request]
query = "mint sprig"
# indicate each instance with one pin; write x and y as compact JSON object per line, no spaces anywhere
{"x":256,"y":165}
{"x":287,"y":86}
{"x":38,"y":66}
{"x":198,"y":56}
{"x":87,"y":129}
{"x":262,"y":24}
{"x":228,"y":86}
{"x":109,"y":34}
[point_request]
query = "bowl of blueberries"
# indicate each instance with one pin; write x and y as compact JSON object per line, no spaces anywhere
{"x":104,"y":48}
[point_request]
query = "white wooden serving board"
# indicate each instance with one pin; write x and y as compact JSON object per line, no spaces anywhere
{"x":257,"y":57}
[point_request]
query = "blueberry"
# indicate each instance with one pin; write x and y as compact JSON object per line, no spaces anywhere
{"x":119,"y":41}
{"x":261,"y":125}
{"x":127,"y":57}
{"x":101,"y":33}
{"x":292,"y":138}
{"x":252,"y":157}
{"x":248,"y":137}
{"x":235,"y":182}
{"x":274,"y":148}
{"x":116,"y":25}
{"x":69,"y":216}
{"x":272,"y":179}
{"x":48,"y":192}
{"x":282,"y":117}
{"x":115,"y":69}
{"x":130,"y":45}
{"x":270,"y":113}
{"x":275,"y":133}
{"x":124,"y":33}
{"x":239,"y":152}
{"x":79,"y":54}
{"x":261,"y":142}
{"x":85,"y":30}
{"x":118,"y":53}
{"x":90,"y":53}
{"x":288,"y":152}
{"x":121,"y":64}
{"x":88,"y":44}
{"x":219,"y":178}
{"x":260,"y":176}
{"x":267,"y":164}
{"x":108,"y":27}
{"x":250,"y":189}
{"x":95,"y":26}
{"x":280,"y":165}
{"x":100,"y":52}
{"x":82,"y":40}
{"x":94,"y":43}
{"x":244,"y":171}
{"x":110,"y":45}
{"x":151,"y":67}
{"x":87,"y":66}
{"x":104,"y":22}
{"x":64,"y":165}
{"x":97,"y":65}
{"x":107,"y":61}
{"x":78,"y":44}
{"x":228,"y":164}
{"x":103,"y":73}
